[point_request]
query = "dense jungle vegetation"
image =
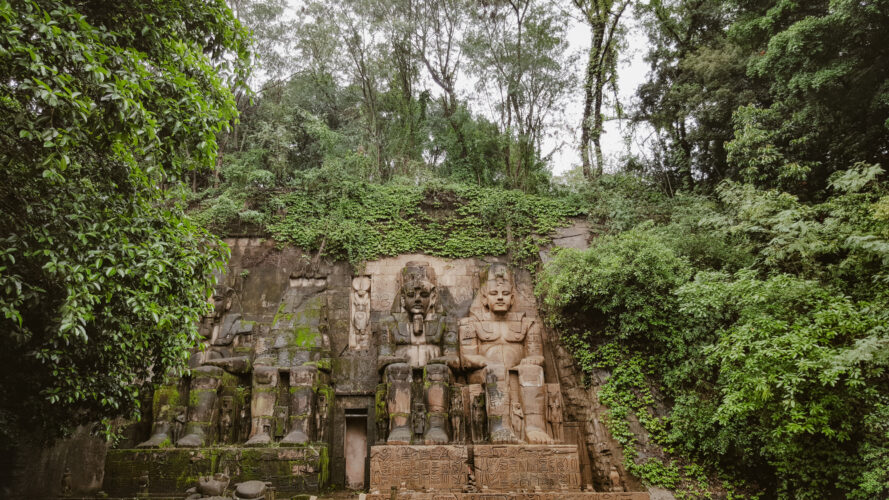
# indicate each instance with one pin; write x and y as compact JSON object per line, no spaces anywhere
{"x":738,"y":287}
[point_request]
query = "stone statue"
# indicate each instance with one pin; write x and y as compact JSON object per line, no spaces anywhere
{"x":614,"y":477}
{"x":479,"y":419}
{"x":418,"y":419}
{"x":504,"y":350}
{"x":66,"y":482}
{"x":518,"y":418}
{"x":321,"y":414}
{"x":359,"y":328}
{"x":554,"y":411}
{"x":297,"y":337}
{"x":418,"y":344}
{"x":458,"y":433}
{"x":227,"y":353}
{"x":382,"y":414}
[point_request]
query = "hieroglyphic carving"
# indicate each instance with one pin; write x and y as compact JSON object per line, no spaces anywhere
{"x":359,"y":326}
{"x":420,"y":468}
{"x":527,"y":468}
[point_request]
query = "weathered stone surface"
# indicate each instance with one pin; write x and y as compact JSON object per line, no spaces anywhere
{"x":419,"y":468}
{"x":171,"y":471}
{"x":527,"y":467}
{"x":510,"y":496}
{"x":495,"y":468}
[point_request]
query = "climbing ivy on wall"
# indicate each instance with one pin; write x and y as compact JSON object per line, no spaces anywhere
{"x":353,"y":220}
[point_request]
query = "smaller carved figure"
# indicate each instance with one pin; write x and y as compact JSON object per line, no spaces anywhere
{"x":457,"y":430}
{"x":418,"y":420}
{"x":554,"y":411}
{"x":518,"y":418}
{"x":479,"y":419}
{"x":226,"y":419}
{"x":614,"y":477}
{"x":382,"y":416}
{"x":321,"y":417}
{"x":359,"y":331}
{"x":143,"y":485}
{"x":66,"y":482}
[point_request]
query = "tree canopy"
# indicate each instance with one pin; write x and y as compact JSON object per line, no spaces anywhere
{"x":105,"y":107}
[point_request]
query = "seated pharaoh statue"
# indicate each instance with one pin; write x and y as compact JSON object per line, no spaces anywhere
{"x":212,"y":371}
{"x":418,"y":347}
{"x":295,"y":342}
{"x":503,"y":349}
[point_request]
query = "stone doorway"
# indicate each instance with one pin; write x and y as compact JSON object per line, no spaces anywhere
{"x":356,"y":448}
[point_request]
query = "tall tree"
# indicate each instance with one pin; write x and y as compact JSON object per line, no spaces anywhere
{"x":603,"y":18}
{"x":520,"y":57}
{"x":104,"y":109}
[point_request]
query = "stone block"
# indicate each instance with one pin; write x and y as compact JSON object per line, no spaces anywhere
{"x":527,"y":467}
{"x":171,"y":471}
{"x":419,"y":468}
{"x":560,"y":495}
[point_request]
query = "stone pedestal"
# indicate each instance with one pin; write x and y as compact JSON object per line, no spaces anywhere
{"x":557,"y":495}
{"x":170,"y":471}
{"x":503,"y":468}
{"x":419,"y":468}
{"x":526,"y":467}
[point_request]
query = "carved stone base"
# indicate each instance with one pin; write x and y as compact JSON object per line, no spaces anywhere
{"x":169,"y":472}
{"x":570,"y":495}
{"x":495,"y":468}
{"x":419,"y":468}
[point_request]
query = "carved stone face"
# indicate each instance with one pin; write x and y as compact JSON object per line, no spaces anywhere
{"x":497,"y":289}
{"x":499,"y":297}
{"x":417,"y":288}
{"x":416,"y":299}
{"x":221,"y":302}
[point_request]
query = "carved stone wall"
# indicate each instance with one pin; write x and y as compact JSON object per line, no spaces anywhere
{"x":319,"y":344}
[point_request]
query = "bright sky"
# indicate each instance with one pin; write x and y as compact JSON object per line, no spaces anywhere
{"x":631,"y":73}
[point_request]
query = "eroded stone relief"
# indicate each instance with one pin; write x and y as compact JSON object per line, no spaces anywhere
{"x":458,"y":394}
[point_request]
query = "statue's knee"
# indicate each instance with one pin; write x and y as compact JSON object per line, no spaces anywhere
{"x":494,"y":373}
{"x":398,"y":372}
{"x":265,"y":375}
{"x":530,"y":375}
{"x":438,"y":373}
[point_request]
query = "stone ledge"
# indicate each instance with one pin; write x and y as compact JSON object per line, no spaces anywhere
{"x":495,"y":468}
{"x":171,"y":471}
{"x":568,"y":495}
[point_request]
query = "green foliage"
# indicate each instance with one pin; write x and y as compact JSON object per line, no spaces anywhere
{"x":779,"y":93}
{"x":358,"y":221}
{"x":624,"y":284}
{"x":104,"y":108}
{"x":759,"y":318}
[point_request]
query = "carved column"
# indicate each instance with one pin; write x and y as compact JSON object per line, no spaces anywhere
{"x":204,"y":384}
{"x":302,"y":398}
{"x":436,"y":381}
{"x":398,"y":402}
{"x":262,"y":405}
